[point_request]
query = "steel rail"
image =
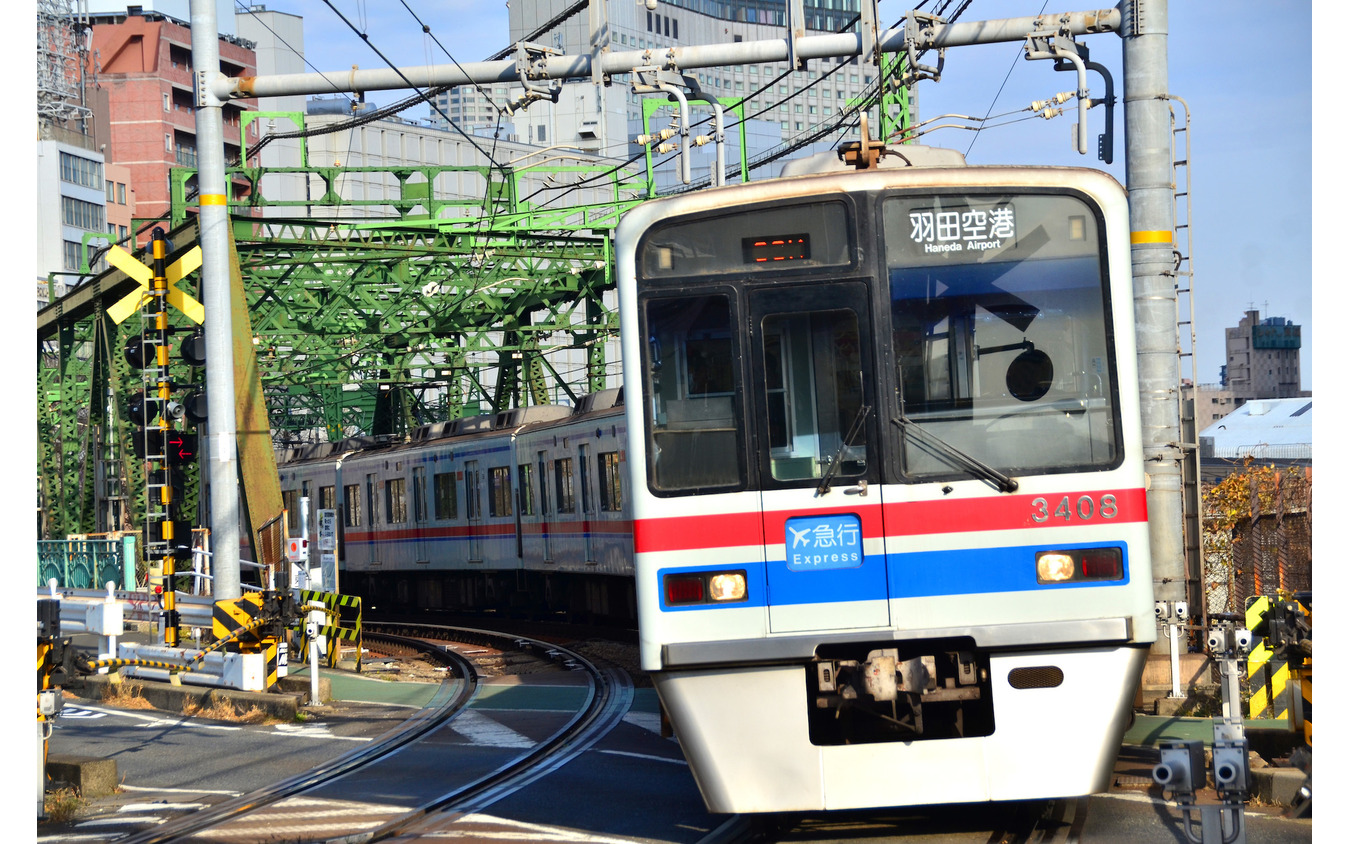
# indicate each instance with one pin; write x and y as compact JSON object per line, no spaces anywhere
{"x":610,"y":697}
{"x":450,"y":699}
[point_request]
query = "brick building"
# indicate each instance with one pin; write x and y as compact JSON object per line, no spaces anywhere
{"x":144,"y":99}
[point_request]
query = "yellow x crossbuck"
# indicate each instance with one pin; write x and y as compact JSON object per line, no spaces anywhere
{"x":141,"y":274}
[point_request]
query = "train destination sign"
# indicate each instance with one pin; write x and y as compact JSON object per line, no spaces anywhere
{"x":962,"y":230}
{"x":816,"y":543}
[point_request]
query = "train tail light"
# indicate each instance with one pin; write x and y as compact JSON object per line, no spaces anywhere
{"x":1080,"y":565}
{"x":684,"y":589}
{"x":705,"y":587}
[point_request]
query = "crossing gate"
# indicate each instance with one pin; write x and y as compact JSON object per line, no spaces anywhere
{"x":343,"y":623}
{"x":1279,"y":672}
{"x":241,"y":620}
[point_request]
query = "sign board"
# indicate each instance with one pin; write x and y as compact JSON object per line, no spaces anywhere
{"x":815,"y":543}
{"x":328,"y":550}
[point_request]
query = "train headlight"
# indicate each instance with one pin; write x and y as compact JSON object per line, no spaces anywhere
{"x":1079,"y":565}
{"x":1054,"y":567}
{"x":727,"y":587}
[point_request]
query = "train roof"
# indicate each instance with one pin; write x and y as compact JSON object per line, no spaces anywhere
{"x":603,"y":402}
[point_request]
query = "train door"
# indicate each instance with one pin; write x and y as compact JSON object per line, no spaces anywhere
{"x":815,"y":429}
{"x":473,"y":509}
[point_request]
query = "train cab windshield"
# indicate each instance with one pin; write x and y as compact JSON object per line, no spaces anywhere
{"x":766,"y":335}
{"x":1001,"y":333}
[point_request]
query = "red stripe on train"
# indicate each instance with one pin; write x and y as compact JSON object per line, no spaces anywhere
{"x":905,"y":519}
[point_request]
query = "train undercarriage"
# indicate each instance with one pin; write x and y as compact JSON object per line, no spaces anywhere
{"x":525,"y":594}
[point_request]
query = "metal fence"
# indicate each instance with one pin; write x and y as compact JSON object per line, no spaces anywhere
{"x":1258,"y":536}
{"x":87,"y":563}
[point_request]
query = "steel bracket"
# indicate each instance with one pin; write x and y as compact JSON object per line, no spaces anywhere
{"x":532,"y":71}
{"x":919,"y":36}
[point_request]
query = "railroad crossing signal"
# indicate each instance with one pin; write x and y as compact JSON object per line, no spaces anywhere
{"x":141,"y":274}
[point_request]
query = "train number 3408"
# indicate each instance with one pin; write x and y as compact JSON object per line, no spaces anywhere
{"x":1084,"y":508}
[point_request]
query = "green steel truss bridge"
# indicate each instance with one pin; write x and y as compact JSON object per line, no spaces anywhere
{"x":367,"y":316}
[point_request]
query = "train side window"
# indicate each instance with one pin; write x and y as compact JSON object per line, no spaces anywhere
{"x":693,"y":400}
{"x":611,"y":487}
{"x":351,"y":505}
{"x":290,"y":502}
{"x":473,"y":505}
{"x":419,"y":493}
{"x":372,"y":482}
{"x":446,"y":503}
{"x":395,"y":502}
{"x":543,"y":485}
{"x":327,"y":498}
{"x":562,"y":470}
{"x":814,"y":394}
{"x":499,"y":491}
{"x":525,"y":487}
{"x":585,"y":456}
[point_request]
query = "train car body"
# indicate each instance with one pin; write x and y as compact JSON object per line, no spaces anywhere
{"x":522,"y":510}
{"x":889,"y":518}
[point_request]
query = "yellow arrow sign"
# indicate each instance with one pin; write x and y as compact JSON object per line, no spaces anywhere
{"x":141,"y":274}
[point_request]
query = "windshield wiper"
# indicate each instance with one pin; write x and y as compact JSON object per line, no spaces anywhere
{"x":846,"y":442}
{"x":956,"y":457}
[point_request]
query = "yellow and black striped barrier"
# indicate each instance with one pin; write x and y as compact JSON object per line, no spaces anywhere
{"x":1267,"y":672}
{"x":344,"y":616}
{"x":1279,"y":668}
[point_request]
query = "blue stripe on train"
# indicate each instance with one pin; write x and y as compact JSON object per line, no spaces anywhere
{"x":918,"y":574}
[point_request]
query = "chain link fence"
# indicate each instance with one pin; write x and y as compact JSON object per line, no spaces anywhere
{"x":1258,"y":536}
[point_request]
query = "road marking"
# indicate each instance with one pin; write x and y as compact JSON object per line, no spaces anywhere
{"x":646,"y":756}
{"x":649,"y":721}
{"x":510,"y":830}
{"x":482,"y":731}
{"x":76,"y":712}
{"x":317,"y":731}
{"x":162,"y":807}
{"x":160,"y":721}
{"x":125,"y":787}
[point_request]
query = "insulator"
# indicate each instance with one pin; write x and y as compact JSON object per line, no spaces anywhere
{"x":664,"y":148}
{"x":700,"y":140}
{"x":1052,"y":112}
{"x":1058,"y":99}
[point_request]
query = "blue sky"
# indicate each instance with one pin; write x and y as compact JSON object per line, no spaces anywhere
{"x":1251,"y":134}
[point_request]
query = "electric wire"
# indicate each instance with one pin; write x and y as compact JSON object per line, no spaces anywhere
{"x":1001,"y":86}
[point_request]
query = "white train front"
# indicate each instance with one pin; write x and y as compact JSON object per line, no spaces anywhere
{"x":887,"y":482}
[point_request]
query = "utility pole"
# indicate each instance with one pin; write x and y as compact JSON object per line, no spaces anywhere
{"x":1148,"y":175}
{"x":214,"y":219}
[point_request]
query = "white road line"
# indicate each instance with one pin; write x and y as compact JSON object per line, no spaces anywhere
{"x":647,"y":756}
{"x":162,"y":807}
{"x":160,"y":721}
{"x":316,"y":731}
{"x":519,"y":831}
{"x":649,"y":721}
{"x":482,"y":731}
{"x":113,"y":820}
{"x":147,"y":788}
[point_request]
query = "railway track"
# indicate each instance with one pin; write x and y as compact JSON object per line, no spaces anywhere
{"x":261,"y":814}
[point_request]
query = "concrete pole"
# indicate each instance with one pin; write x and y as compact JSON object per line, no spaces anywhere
{"x":214,"y":220}
{"x":1149,"y":175}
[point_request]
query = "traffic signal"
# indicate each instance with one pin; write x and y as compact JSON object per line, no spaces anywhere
{"x":178,"y":448}
{"x":193,"y":351}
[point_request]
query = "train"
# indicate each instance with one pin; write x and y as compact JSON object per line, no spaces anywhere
{"x":889,"y":520}
{"x":872,"y":488}
{"x":521,"y":512}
